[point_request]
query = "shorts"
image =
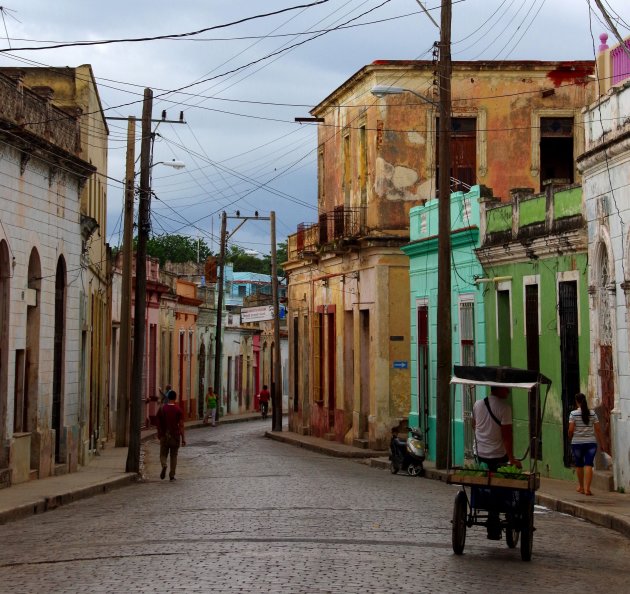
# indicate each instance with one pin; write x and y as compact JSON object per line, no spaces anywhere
{"x":584,"y":453}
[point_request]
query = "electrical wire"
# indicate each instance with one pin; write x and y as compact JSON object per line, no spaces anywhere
{"x":170,"y":36}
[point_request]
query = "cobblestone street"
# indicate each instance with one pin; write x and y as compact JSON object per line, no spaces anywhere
{"x":247,"y":514}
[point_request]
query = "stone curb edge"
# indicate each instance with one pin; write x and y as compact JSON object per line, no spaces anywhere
{"x":45,"y":504}
{"x":319,"y":449}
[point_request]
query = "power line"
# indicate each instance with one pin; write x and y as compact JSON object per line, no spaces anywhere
{"x":170,"y":36}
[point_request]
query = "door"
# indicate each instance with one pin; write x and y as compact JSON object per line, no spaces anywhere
{"x":569,"y":359}
{"x":532,"y":330}
{"x":467,"y":339}
{"x":423,"y":371}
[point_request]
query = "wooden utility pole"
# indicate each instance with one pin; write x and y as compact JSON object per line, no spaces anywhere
{"x":444,"y":337}
{"x":122,"y":403}
{"x":218,"y":350}
{"x":276,"y":424}
{"x":144,"y":207}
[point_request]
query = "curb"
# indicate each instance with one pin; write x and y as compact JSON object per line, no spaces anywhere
{"x":590,"y":515}
{"x":321,"y":449}
{"x":45,"y":504}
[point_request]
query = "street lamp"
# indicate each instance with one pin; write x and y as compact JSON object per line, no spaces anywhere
{"x":443,"y":339}
{"x":174,"y":164}
{"x":382,"y":90}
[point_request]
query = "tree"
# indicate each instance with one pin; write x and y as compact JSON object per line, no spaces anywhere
{"x":177,"y":248}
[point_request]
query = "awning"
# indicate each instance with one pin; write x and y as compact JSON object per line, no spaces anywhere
{"x":507,"y":377}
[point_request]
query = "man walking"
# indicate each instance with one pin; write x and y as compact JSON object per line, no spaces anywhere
{"x":170,"y":426}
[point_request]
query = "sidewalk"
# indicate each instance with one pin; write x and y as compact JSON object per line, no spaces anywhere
{"x":608,"y":509}
{"x":106,"y":471}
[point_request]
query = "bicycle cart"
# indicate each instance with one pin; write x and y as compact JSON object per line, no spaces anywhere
{"x":508,"y":495}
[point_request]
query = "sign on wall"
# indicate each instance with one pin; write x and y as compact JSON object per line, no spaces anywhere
{"x":257,"y":314}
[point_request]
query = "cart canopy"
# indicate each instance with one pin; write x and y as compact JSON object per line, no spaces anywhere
{"x":507,"y":377}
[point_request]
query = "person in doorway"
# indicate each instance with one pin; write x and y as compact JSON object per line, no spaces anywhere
{"x":170,"y":428}
{"x":263,"y":398}
{"x":492,"y":423}
{"x":211,"y":407}
{"x":584,"y":433}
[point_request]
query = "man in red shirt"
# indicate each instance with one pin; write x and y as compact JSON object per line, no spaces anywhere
{"x":170,"y":427}
{"x":263,"y":398}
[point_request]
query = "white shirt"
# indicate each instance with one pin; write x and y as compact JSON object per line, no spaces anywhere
{"x":487,"y":433}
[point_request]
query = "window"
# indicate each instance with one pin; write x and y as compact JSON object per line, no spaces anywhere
{"x":321,"y":170}
{"x":463,"y":153}
{"x":556,"y":150}
{"x":242,"y":290}
{"x":347,"y":181}
{"x":363,"y":165}
{"x":467,"y":346}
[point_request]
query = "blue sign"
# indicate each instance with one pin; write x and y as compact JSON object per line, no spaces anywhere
{"x":401,"y":364}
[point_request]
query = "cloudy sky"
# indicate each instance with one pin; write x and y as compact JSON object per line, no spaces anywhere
{"x":246,"y":83}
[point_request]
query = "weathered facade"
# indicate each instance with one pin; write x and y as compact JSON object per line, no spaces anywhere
{"x":41,"y":256}
{"x":605,"y":166}
{"x":513,"y":125}
{"x":185,"y":375}
{"x":467,"y":313}
{"x":74,"y":90}
{"x":535,"y":285}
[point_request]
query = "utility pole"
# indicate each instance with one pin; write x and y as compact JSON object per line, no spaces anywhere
{"x":122,"y":404}
{"x":444,"y":338}
{"x":276,"y":424}
{"x":218,"y":350}
{"x":144,"y":206}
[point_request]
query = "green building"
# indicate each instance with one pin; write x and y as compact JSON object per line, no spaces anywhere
{"x":467,"y":314}
{"x":535,"y":286}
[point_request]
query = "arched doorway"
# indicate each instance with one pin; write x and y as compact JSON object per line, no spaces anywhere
{"x":58,"y":356}
{"x":5,"y":286}
{"x":31,"y":372}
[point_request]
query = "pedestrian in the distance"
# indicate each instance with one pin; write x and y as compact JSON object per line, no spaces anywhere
{"x":165,"y":393}
{"x":170,"y":426}
{"x":211,"y":407}
{"x":584,"y":433}
{"x":263,"y":398}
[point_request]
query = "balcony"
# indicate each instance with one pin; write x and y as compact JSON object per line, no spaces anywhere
{"x":342,"y":223}
{"x":334,"y":229}
{"x":26,"y":111}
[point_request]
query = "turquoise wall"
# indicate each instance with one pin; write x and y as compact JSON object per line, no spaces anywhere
{"x":422,"y":252}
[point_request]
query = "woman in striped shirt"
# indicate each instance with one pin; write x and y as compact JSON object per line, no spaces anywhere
{"x":584,"y":433}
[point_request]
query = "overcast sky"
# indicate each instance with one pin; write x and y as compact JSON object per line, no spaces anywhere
{"x":229,"y":156}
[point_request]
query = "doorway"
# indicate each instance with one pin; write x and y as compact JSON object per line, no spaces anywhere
{"x":569,"y":357}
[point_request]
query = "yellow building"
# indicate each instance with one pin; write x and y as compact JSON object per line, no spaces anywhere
{"x":513,"y":126}
{"x":74,"y":90}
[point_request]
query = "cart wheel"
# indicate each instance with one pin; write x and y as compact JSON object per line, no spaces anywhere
{"x":527,"y":531}
{"x":460,"y":510}
{"x":511,"y":536}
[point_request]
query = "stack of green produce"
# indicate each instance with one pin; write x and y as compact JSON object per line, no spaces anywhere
{"x":511,"y":472}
